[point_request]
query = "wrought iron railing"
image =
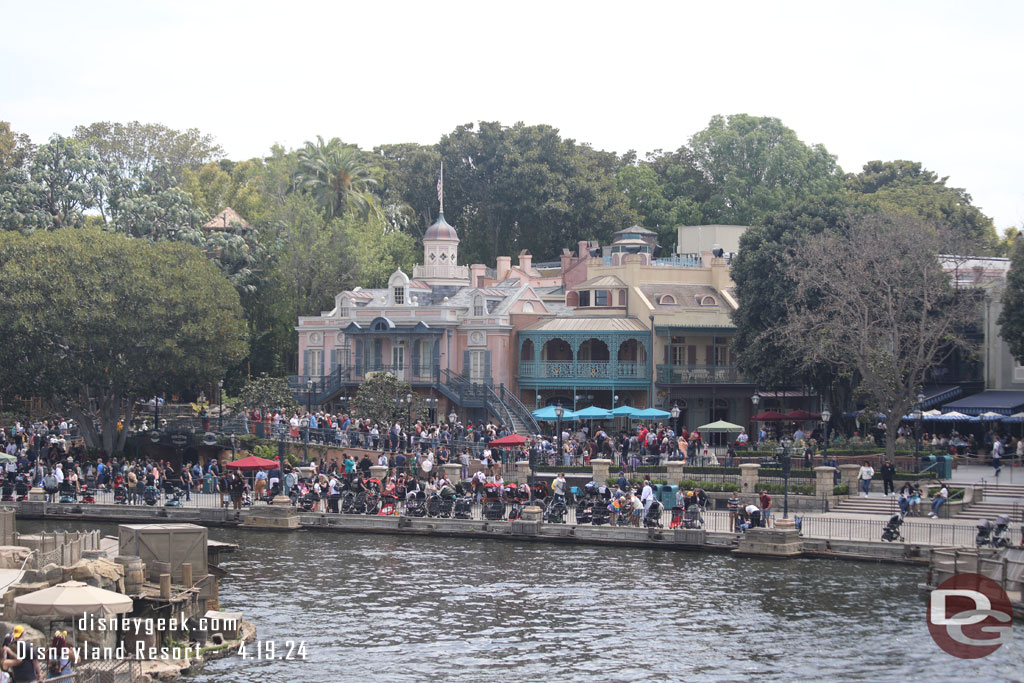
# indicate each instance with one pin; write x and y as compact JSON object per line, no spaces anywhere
{"x":700,"y":374}
{"x":558,"y":369}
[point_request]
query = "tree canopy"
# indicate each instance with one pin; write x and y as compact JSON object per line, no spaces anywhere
{"x":1011,"y":320}
{"x":94,"y":321}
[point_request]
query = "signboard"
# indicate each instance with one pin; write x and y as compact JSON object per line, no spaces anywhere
{"x":154,"y":435}
{"x":210,"y":439}
{"x":179,"y":440}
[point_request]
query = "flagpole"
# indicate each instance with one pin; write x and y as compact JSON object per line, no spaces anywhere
{"x":441,"y":193}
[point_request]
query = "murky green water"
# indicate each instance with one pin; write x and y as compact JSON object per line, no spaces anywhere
{"x":391,"y":608}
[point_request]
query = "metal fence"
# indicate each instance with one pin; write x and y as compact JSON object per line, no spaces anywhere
{"x":917,"y":533}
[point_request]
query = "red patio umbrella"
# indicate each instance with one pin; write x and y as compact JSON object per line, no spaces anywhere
{"x":769,"y":416}
{"x":801,"y":415}
{"x":510,"y":440}
{"x":252,"y":463}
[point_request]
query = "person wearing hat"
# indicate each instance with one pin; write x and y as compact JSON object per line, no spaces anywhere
{"x":63,"y":656}
{"x":27,"y":668}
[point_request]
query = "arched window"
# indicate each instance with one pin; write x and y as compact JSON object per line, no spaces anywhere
{"x":667,"y":300}
{"x":708,"y":301}
{"x":527,"y":307}
{"x":622,"y":297}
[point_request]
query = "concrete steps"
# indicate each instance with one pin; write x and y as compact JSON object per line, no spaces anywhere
{"x":990,"y":509}
{"x":873,"y":505}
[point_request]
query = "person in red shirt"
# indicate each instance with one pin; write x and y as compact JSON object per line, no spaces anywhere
{"x":766,"y":507}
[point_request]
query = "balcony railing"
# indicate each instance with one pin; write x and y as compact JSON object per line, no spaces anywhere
{"x":582,"y":370}
{"x":700,"y":374}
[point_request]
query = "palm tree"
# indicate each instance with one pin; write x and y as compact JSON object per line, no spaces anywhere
{"x":335,"y":175}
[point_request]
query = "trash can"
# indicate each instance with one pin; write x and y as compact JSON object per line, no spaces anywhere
{"x":928,"y":464}
{"x":668,"y":495}
{"x":209,"y":485}
{"x":945,"y":466}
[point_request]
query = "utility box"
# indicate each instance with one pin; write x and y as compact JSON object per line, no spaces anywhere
{"x":174,"y":544}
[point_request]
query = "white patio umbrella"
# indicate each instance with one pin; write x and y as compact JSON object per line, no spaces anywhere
{"x":72,"y":599}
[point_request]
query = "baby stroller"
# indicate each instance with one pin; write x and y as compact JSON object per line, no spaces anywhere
{"x":415,"y":504}
{"x":494,"y":506}
{"x":307,"y":501}
{"x":7,"y":494}
{"x":21,"y":487}
{"x":348,"y":500}
{"x":677,"y":518}
{"x":89,"y":494}
{"x":120,"y":495}
{"x":693,"y":519}
{"x":174,"y":500}
{"x":150,"y":495}
{"x":653,"y":517}
{"x":891,"y":532}
{"x":372,"y":499}
{"x":556,"y":511}
{"x":585,"y":510}
{"x":67,"y":493}
{"x":463,"y":508}
{"x":434,"y":505}
{"x":1001,"y":532}
{"x":246,"y":495}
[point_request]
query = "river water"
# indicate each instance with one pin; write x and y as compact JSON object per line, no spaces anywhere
{"x":392,"y":608}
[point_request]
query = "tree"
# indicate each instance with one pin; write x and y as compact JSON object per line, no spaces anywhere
{"x":509,"y":188}
{"x":336,"y":175}
{"x":382,"y":399}
{"x":148,"y":149}
{"x":649,"y":199}
{"x":408,"y":189}
{"x":859,"y":309}
{"x":754,"y":165}
{"x":268,"y":393}
{"x":15,"y":148}
{"x":1011,"y":321}
{"x":95,"y":320}
{"x":906,"y":186}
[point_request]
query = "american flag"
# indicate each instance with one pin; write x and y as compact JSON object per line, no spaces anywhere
{"x":440,"y":183}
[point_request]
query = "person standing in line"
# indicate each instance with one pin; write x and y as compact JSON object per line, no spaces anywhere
{"x":888,"y":474}
{"x":866,"y":473}
{"x":647,"y":496}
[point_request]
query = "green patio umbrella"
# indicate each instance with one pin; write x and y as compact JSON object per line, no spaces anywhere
{"x":720,"y":426}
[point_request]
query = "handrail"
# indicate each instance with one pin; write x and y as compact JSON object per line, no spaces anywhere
{"x":521,"y":411}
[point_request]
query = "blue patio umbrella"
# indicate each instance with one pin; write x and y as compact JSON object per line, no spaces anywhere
{"x":548,"y":414}
{"x":593,"y":413}
{"x":624,"y":411}
{"x":652,"y":413}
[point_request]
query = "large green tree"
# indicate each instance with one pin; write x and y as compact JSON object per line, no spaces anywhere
{"x":15,"y":148}
{"x":907,"y":187}
{"x":753,"y":165}
{"x":94,"y":320}
{"x":1011,"y":319}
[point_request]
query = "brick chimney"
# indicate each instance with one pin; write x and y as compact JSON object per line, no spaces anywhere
{"x":477,"y":272}
{"x":504,"y":264}
{"x":525,"y":261}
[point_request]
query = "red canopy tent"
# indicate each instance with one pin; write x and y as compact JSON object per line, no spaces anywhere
{"x":252,"y":463}
{"x":769,"y":416}
{"x":801,"y":415}
{"x":510,"y":440}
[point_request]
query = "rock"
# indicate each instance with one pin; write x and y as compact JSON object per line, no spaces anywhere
{"x":51,"y":574}
{"x":101,"y":573}
{"x":13,"y":556}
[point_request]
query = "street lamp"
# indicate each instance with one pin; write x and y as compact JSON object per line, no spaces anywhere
{"x":917,"y":414}
{"x":675,"y":415}
{"x":559,"y":412}
{"x":309,"y":411}
{"x":784,"y":461}
{"x":754,"y":400}
{"x":826,"y":415}
{"x":408,"y":405}
{"x":220,"y":405}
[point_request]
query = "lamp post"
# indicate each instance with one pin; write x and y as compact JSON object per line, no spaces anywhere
{"x":826,"y":415}
{"x":754,"y":400}
{"x":408,"y":406}
{"x":675,"y":415}
{"x":452,"y":417}
{"x":220,"y":405}
{"x":309,"y":411}
{"x":559,"y":412}
{"x":917,"y":427}
{"x":784,"y":461}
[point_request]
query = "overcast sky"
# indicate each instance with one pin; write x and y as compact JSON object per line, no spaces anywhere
{"x":936,"y":82}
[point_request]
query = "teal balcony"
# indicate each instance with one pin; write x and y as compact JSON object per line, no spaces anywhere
{"x":596,"y":372}
{"x":700,"y":374}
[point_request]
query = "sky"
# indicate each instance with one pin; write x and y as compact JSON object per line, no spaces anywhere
{"x":935,"y":82}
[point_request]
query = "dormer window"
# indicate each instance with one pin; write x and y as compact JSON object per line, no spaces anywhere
{"x":601,"y":297}
{"x":399,"y":293}
{"x":343,"y":311}
{"x":667,"y":300}
{"x":708,"y":301}
{"x":478,"y":307}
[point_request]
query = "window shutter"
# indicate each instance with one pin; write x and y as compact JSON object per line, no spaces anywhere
{"x":709,"y":354}
{"x":691,"y":355}
{"x":487,"y":367}
{"x":306,"y":370}
{"x":668,"y":359}
{"x":359,"y":356}
{"x":465,"y":363}
{"x":378,"y":351}
{"x":323,"y":364}
{"x":415,"y":357}
{"x":334,"y":362}
{"x":436,"y":369}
